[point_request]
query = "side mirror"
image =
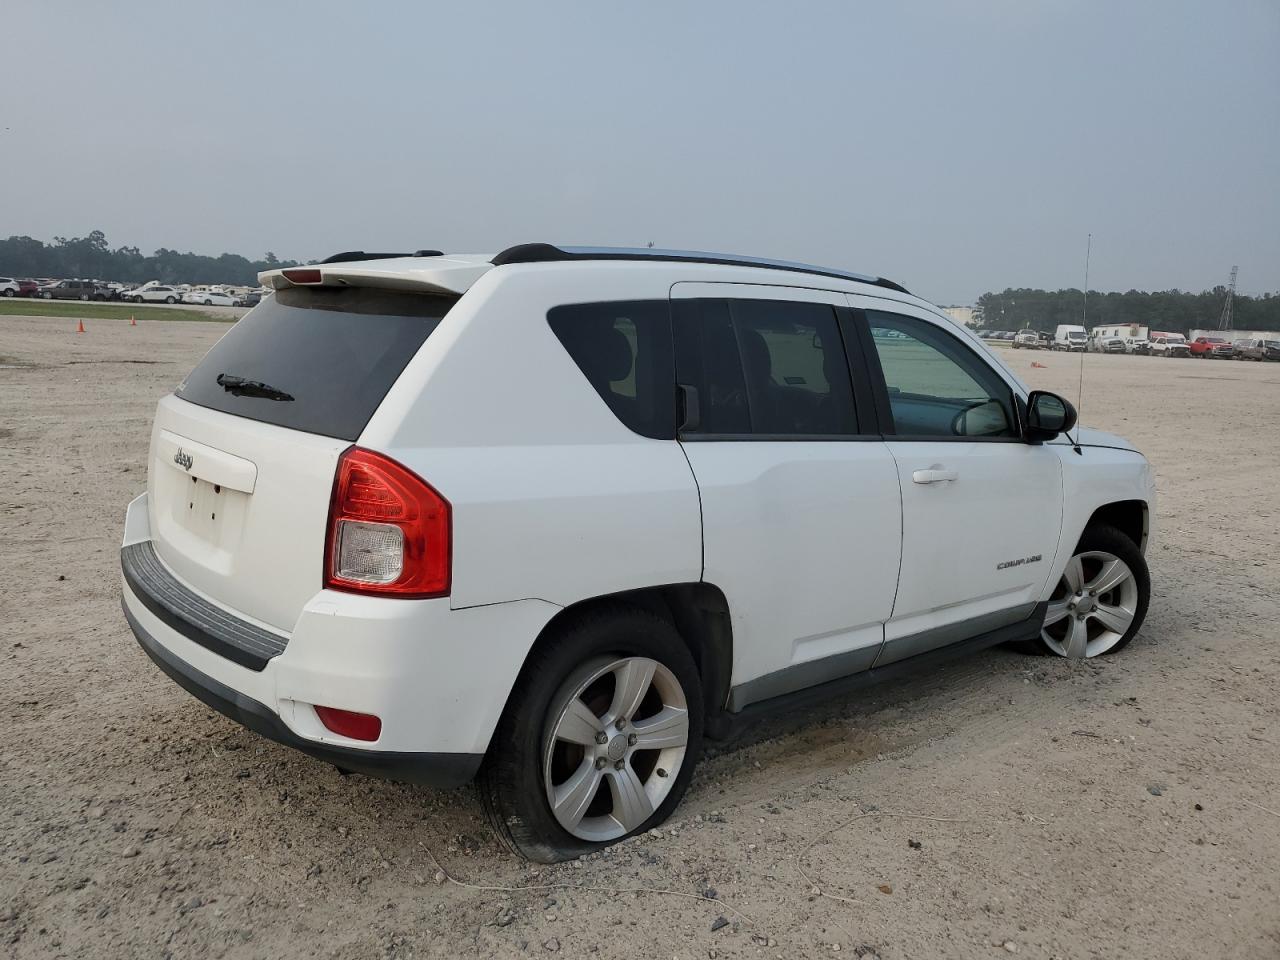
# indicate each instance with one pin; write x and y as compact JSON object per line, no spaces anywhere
{"x":1048,"y":415}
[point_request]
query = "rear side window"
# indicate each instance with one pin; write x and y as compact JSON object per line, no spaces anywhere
{"x":623,"y":348}
{"x":764,"y":367}
{"x":315,"y":359}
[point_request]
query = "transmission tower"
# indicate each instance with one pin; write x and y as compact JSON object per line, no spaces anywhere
{"x":1224,"y":322}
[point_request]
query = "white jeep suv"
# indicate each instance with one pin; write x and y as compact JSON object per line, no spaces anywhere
{"x":551,"y":518}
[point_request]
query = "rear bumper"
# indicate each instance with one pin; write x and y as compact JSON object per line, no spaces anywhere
{"x":430,"y":769}
{"x":438,"y":678}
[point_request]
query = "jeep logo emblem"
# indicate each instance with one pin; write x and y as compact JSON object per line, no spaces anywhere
{"x":183,"y":459}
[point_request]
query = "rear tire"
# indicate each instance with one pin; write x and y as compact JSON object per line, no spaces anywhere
{"x":584,"y":664}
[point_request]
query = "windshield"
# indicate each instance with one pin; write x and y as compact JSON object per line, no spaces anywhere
{"x":1076,"y":334}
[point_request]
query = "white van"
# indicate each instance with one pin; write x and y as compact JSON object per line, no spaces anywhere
{"x":1070,"y":336}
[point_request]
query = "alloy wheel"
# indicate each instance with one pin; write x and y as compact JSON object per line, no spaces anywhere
{"x":617,"y":735}
{"x":1092,"y":607}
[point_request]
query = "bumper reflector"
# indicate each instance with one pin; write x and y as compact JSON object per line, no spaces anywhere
{"x":348,"y":723}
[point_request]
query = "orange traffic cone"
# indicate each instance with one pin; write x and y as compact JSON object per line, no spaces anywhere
{"x":132,"y":322}
{"x":81,"y":327}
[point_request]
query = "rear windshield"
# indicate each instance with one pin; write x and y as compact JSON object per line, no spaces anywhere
{"x":315,"y":359}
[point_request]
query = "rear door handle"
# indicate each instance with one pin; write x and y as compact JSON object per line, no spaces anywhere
{"x":933,"y":475}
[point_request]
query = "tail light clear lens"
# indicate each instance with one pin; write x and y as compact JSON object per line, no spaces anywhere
{"x":389,"y":531}
{"x":369,"y":552}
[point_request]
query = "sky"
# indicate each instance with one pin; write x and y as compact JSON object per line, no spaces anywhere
{"x":953,"y":147}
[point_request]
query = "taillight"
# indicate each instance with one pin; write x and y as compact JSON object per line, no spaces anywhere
{"x":389,"y":531}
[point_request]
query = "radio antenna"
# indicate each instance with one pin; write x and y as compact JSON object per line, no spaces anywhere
{"x":1084,"y":321}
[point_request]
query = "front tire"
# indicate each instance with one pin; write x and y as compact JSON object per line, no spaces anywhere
{"x":170,"y":300}
{"x":599,"y":739}
{"x":1100,"y":600}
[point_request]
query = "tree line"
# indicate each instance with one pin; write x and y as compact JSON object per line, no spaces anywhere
{"x":1174,"y":311}
{"x":91,"y":258}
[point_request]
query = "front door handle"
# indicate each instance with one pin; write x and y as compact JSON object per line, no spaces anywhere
{"x":934,"y":474}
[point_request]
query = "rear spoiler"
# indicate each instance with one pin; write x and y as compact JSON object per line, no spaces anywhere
{"x":453,"y":274}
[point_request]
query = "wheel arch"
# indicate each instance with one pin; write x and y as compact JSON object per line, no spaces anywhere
{"x":1130,"y":517}
{"x":698,"y":611}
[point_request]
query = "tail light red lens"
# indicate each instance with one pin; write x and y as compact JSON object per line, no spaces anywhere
{"x":303,"y":275}
{"x":348,"y":723}
{"x":389,"y":531}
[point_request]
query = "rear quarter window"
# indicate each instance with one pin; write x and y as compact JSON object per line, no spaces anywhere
{"x":315,"y":359}
{"x":623,"y":348}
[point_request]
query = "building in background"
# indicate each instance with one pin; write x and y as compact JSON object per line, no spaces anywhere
{"x":1232,"y":335}
{"x":961,"y":315}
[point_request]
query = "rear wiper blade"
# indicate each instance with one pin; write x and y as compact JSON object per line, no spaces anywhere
{"x":241,"y":387}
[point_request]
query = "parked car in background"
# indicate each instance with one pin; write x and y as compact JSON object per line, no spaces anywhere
{"x":74,"y":290}
{"x":1137,"y":345}
{"x":158,"y":293}
{"x":1105,"y":344}
{"x":250,"y":299}
{"x":1070,"y":336}
{"x":391,"y":558}
{"x":1214,"y":348}
{"x":1026,"y":340}
{"x":10,"y":287}
{"x":1257,"y":349}
{"x":210,"y":298}
{"x":1169,"y":345}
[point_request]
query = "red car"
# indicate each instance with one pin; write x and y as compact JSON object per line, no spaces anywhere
{"x":1212,"y":348}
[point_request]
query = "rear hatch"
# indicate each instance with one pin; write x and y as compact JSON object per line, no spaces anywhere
{"x":243,"y":454}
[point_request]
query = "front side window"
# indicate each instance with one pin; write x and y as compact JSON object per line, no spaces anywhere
{"x":764,"y":367}
{"x":623,"y":348}
{"x":937,"y":386}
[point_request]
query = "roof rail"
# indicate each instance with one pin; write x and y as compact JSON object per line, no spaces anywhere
{"x":547,"y":252}
{"x":352,"y":256}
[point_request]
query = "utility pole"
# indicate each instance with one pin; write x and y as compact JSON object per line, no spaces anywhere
{"x":1224,"y":322}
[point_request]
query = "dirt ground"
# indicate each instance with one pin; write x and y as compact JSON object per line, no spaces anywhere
{"x":1128,"y":807}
